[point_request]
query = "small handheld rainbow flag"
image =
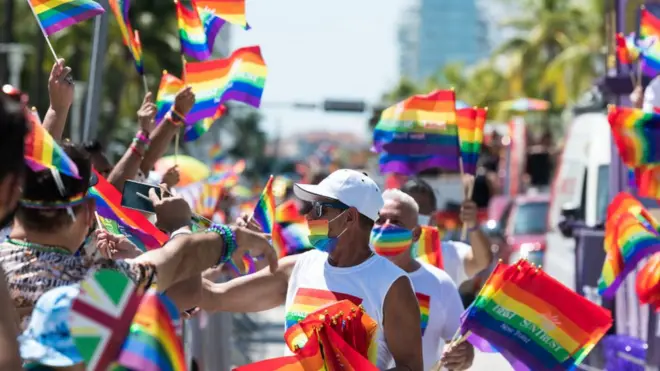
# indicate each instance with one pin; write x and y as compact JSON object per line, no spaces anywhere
{"x":119,"y":220}
{"x":646,"y":181}
{"x":170,"y":85}
{"x":631,"y":234}
{"x":264,"y":215}
{"x":636,"y":134}
{"x":533,"y":320}
{"x":130,"y":37}
{"x":471,"y":122}
{"x":197,"y":34}
{"x":152,"y":343}
{"x":232,"y":11}
{"x":57,"y":15}
{"x":649,"y":30}
{"x":648,"y":283}
{"x":241,"y":78}
{"x":428,"y":248}
{"x":626,"y":50}
{"x":196,"y":130}
{"x":42,"y":152}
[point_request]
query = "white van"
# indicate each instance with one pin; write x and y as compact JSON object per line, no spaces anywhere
{"x":582,"y":184}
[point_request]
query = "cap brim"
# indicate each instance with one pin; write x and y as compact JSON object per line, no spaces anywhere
{"x":310,"y":192}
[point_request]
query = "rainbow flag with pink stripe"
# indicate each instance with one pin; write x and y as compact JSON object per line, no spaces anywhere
{"x":119,"y":220}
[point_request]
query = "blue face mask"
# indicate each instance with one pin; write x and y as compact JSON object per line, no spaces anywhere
{"x":318,"y":235}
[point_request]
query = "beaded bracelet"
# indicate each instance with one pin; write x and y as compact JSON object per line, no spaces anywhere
{"x":176,"y":117}
{"x":229,"y":238}
{"x":142,"y":137}
{"x":137,"y":142}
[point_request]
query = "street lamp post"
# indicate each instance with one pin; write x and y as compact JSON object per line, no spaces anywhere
{"x":78,"y":96}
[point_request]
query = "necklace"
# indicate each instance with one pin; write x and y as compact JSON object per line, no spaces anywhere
{"x":40,"y":247}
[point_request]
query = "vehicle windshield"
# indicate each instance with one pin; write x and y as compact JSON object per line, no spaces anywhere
{"x":531,"y":218}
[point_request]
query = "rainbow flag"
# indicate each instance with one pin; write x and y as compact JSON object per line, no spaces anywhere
{"x":119,"y":220}
{"x":646,"y":181}
{"x":649,"y":28}
{"x":647,"y":283}
{"x":131,"y":38}
{"x":288,"y":212}
{"x":197,"y":29}
{"x":42,"y":152}
{"x":631,"y":234}
{"x":60,"y":14}
{"x":241,"y":77}
{"x":535,"y":321}
{"x":308,"y":358}
{"x":424,"y":308}
{"x":264,"y":211}
{"x":152,"y":343}
{"x":196,"y":130}
{"x":421,"y":125}
{"x":626,"y":50}
{"x":428,"y":248}
{"x":471,"y":122}
{"x":216,"y":151}
{"x":636,"y":134}
{"x":170,"y":86}
{"x":232,"y":11}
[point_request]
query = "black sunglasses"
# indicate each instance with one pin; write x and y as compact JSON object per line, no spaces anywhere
{"x":318,"y":206}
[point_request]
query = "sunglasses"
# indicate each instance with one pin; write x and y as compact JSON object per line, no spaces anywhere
{"x":317,"y":207}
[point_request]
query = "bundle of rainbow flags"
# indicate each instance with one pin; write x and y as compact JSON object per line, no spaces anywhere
{"x":631,"y":235}
{"x":636,"y":134}
{"x":534,"y":321}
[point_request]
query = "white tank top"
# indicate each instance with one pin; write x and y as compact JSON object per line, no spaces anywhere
{"x":314,"y":283}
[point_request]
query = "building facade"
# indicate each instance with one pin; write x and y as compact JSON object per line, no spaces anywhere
{"x":434,"y":33}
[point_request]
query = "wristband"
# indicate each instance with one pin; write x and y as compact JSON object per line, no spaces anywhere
{"x":229,"y":239}
{"x":176,"y":117}
{"x":137,"y":142}
{"x":180,"y":231}
{"x":142,"y":137}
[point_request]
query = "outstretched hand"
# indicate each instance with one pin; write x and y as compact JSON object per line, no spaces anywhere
{"x":60,"y":87}
{"x":147,"y":113}
{"x":112,"y":246}
{"x":184,"y":101}
{"x":256,"y":245}
{"x":172,"y":212}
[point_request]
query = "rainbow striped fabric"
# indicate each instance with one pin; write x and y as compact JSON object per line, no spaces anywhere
{"x":424,"y":309}
{"x":119,"y":220}
{"x":241,"y":78}
{"x":418,"y":133}
{"x":264,"y":211}
{"x":471,"y":122}
{"x":533,"y":320}
{"x":56,"y":15}
{"x":131,"y":38}
{"x":199,"y":128}
{"x":646,"y":181}
{"x":152,"y":343}
{"x":631,"y":234}
{"x":636,"y":134}
{"x":232,"y":11}
{"x":197,"y":29}
{"x":428,"y":248}
{"x":647,"y":283}
{"x":390,"y":239}
{"x":170,"y":85}
{"x":42,"y":152}
{"x":626,"y":50}
{"x":649,"y":28}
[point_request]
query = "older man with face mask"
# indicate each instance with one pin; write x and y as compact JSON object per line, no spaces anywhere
{"x":392,"y":236}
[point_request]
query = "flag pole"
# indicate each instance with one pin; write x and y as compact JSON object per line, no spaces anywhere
{"x":144,"y":82}
{"x":178,"y":130}
{"x":50,"y":46}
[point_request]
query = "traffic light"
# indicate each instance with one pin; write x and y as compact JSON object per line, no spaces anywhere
{"x":344,"y":106}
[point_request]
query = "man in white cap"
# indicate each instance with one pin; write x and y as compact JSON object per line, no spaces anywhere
{"x":341,"y":211}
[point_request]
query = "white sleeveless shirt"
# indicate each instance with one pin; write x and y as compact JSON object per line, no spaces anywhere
{"x":314,"y":283}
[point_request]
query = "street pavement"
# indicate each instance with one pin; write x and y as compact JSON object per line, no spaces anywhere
{"x":267,"y":342}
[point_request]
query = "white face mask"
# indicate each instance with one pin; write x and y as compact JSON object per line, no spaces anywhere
{"x":423,"y":219}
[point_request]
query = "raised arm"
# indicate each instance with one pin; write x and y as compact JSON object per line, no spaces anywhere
{"x":129,"y":164}
{"x":401,"y":322}
{"x":60,"y":92}
{"x":480,"y":255}
{"x":164,"y":133}
{"x":252,"y":293}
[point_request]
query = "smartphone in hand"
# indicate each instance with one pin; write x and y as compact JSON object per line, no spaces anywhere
{"x":135,"y":195}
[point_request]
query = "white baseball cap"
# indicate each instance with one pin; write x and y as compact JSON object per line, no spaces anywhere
{"x":350,"y":187}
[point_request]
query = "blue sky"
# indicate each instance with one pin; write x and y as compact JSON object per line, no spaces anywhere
{"x":315,"y":50}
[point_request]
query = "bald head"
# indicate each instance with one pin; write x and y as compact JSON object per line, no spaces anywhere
{"x":399,"y":209}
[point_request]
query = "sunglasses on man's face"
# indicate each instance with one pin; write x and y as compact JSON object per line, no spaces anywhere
{"x":317,"y":207}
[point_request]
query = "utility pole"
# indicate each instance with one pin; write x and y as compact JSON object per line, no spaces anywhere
{"x":95,"y":88}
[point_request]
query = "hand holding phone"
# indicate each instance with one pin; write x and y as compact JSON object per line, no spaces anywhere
{"x":135,"y":195}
